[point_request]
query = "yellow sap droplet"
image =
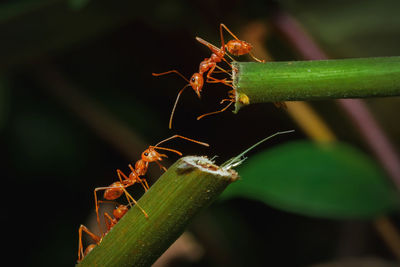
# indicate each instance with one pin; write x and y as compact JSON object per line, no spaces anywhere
{"x":244,"y":99}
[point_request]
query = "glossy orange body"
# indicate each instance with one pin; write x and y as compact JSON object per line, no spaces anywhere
{"x":238,"y":47}
{"x":197,"y":79}
{"x":114,"y":191}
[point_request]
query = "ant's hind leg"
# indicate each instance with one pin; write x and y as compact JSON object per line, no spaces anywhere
{"x":218,"y":111}
{"x":226,"y":28}
{"x":94,"y":237}
{"x":136,"y":204}
{"x":256,"y":59}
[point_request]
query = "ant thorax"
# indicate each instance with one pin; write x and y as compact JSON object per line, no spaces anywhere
{"x":141,"y":167}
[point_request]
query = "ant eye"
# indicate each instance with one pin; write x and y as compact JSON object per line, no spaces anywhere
{"x":146,"y":154}
{"x":193,"y":79}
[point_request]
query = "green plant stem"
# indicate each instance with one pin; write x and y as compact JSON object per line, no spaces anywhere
{"x":318,"y":79}
{"x":189,"y":185}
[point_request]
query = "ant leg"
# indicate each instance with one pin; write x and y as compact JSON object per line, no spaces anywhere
{"x":96,"y":202}
{"x":211,"y":79}
{"x":222,"y":37}
{"x":234,"y":36}
{"x":223,"y":70}
{"x":161,"y":166}
{"x":171,"y":71}
{"x":94,"y":237}
{"x":127,"y":195}
{"x":141,"y":181}
{"x":215,"y":80}
{"x":97,"y":209}
{"x":256,"y":59}
{"x":108,"y":220}
{"x":136,"y":204}
{"x":182,"y":137}
{"x":226,"y":28}
{"x":218,"y":51}
{"x":126,"y":182}
{"x":230,"y":58}
{"x":212,"y":47}
{"x":147,"y":185}
{"x":215,"y":112}
{"x":119,"y":173}
{"x":231,"y":95}
{"x":176,"y":102}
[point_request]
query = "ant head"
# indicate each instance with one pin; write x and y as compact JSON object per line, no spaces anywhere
{"x":120,"y":211}
{"x":150,"y":155}
{"x":196,"y":82}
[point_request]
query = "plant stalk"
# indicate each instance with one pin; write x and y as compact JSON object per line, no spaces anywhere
{"x":189,"y":185}
{"x":316,"y":79}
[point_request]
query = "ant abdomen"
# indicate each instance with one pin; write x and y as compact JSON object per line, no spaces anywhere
{"x":115,"y":191}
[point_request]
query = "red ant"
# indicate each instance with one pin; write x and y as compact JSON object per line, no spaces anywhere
{"x":235,"y":47}
{"x":118,"y":213}
{"x":197,"y":80}
{"x":116,"y":189}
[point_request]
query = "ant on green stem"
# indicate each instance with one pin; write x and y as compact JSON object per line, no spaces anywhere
{"x":116,"y":189}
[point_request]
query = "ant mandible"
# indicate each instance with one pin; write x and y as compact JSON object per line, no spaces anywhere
{"x":116,"y":189}
{"x":118,"y":213}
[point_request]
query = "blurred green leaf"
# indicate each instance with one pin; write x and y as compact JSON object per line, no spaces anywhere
{"x":78,"y":4}
{"x":333,"y":181}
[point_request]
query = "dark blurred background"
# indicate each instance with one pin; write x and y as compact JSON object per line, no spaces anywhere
{"x":78,"y":101}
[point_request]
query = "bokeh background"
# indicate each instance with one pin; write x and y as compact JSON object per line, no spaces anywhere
{"x":78,"y":101}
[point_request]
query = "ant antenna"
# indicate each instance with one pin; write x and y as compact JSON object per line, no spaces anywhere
{"x":180,"y":136}
{"x":236,"y":161}
{"x":179,"y":94}
{"x":176,"y":101}
{"x":171,"y":71}
{"x":167,"y":149}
